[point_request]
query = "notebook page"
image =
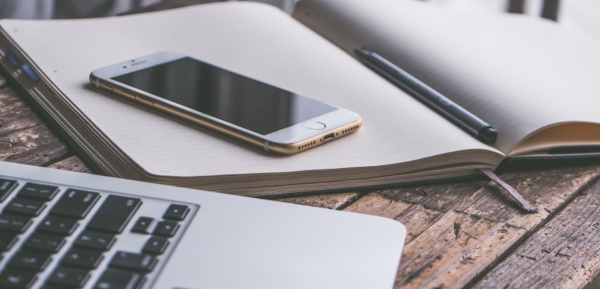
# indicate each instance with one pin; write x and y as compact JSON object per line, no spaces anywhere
{"x":519,"y":74}
{"x":252,"y":39}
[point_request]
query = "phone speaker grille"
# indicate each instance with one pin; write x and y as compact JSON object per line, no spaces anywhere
{"x":349,"y":129}
{"x":306,"y":145}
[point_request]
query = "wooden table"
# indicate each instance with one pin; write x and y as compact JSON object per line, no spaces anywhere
{"x":462,"y":234}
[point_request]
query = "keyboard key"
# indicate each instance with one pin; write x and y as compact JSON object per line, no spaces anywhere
{"x":176,"y":212}
{"x":166,"y":228}
{"x":14,"y":223}
{"x":95,"y":240}
{"x":38,"y":191}
{"x":30,"y":260}
{"x":133,"y":261}
{"x":25,"y":207}
{"x":113,"y":279}
{"x":114,"y":214}
{"x":156,"y":246}
{"x":68,"y":277}
{"x":144,"y":225}
{"x":58,"y":225}
{"x":17,"y":279}
{"x":75,"y":204}
{"x":6,"y":187}
{"x":83,"y":258}
{"x":44,"y":242}
{"x":7,"y":240}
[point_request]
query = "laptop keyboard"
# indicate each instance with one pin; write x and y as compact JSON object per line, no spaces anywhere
{"x":59,"y":236}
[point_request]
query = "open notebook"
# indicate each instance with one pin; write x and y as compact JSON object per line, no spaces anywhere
{"x":532,"y":82}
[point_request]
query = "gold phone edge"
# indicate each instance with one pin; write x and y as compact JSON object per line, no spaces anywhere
{"x":254,"y":141}
{"x":290,"y":149}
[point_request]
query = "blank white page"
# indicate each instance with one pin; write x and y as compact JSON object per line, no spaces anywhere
{"x":518,"y":73}
{"x":252,"y":39}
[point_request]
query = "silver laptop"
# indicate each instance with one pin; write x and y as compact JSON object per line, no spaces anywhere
{"x":62,"y":229}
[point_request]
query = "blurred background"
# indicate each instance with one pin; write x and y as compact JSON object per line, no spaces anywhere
{"x":578,"y":14}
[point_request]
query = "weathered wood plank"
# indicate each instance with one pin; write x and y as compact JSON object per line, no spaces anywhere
{"x":442,"y":197}
{"x":507,"y":224}
{"x":434,"y":196}
{"x":547,"y":189}
{"x":378,"y":205}
{"x":594,"y":284}
{"x":564,"y":253}
{"x":418,"y":216}
{"x":418,"y":206}
{"x":15,"y":115}
{"x":332,"y":201}
{"x":23,"y":137}
{"x":34,"y":146}
{"x":72,"y":163}
{"x":445,"y":255}
{"x":439,"y":242}
{"x":463,"y":235}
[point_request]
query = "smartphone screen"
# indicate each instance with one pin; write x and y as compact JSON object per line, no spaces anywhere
{"x":225,"y":95}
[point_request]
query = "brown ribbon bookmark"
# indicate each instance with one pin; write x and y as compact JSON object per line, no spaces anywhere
{"x":524,"y":204}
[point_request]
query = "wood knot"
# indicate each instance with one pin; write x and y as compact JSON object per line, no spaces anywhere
{"x":456,"y":230}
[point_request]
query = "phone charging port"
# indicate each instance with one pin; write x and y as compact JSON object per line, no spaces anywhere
{"x":328,"y":137}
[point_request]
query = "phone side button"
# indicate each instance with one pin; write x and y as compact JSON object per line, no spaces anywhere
{"x":144,"y":101}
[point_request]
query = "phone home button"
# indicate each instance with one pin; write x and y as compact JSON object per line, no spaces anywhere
{"x":314,"y":125}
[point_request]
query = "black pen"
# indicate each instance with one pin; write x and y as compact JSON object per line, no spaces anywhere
{"x":435,"y":100}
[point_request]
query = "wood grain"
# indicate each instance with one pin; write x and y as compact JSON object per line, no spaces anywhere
{"x":463,"y":232}
{"x":15,"y":115}
{"x":23,"y":137}
{"x":548,"y":189}
{"x":418,"y":216}
{"x":378,"y":205}
{"x":72,"y":163}
{"x":448,"y":253}
{"x":594,"y":284}
{"x":564,"y":253}
{"x":442,"y":197}
{"x":331,"y":201}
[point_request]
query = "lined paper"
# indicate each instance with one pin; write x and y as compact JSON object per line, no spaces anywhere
{"x":520,"y":74}
{"x":252,"y":39}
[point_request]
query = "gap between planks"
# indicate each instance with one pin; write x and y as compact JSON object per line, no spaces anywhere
{"x":456,"y":232}
{"x":24,"y":138}
{"x":563,"y":253}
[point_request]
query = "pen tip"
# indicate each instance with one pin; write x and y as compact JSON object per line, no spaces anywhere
{"x":488,"y":135}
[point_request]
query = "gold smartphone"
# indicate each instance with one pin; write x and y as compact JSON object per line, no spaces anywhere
{"x":261,"y":115}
